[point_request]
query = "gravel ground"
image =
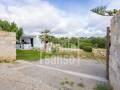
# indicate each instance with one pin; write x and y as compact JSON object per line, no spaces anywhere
{"x":11,"y":79}
{"x":46,"y":75}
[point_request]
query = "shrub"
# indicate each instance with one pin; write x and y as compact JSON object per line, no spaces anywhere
{"x":84,"y":44}
{"x":87,"y":48}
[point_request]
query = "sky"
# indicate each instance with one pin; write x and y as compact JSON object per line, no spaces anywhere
{"x":71,"y":18}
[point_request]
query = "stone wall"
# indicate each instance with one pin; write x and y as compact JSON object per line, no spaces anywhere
{"x":7,"y":46}
{"x":114,"y":63}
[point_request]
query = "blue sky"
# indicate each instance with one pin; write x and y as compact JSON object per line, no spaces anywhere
{"x":80,"y":7}
{"x":72,"y":5}
{"x":62,"y":17}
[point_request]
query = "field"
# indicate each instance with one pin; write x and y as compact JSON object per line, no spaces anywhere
{"x":31,"y":55}
{"x":34,"y":55}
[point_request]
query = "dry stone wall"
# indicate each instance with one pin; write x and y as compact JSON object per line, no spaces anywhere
{"x":114,"y":63}
{"x":7,"y":46}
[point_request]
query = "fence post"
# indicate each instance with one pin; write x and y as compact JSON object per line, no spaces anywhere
{"x":107,"y":51}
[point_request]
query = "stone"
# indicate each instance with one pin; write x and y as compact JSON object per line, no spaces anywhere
{"x":7,"y":46}
{"x":114,"y":63}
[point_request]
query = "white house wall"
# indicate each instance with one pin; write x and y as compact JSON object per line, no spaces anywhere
{"x":37,"y":42}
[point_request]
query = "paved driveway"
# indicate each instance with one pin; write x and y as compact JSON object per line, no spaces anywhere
{"x":54,"y":73}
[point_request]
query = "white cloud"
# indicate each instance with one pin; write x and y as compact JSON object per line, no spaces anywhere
{"x":114,"y":4}
{"x":36,"y":15}
{"x":97,"y":24}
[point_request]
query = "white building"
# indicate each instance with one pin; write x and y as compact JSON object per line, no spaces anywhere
{"x":30,"y":42}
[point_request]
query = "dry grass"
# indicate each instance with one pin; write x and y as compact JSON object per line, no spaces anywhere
{"x":97,"y":54}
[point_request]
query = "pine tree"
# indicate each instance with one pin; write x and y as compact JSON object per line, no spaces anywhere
{"x":102,"y":10}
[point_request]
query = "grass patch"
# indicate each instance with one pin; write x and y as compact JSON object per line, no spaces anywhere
{"x":80,"y":84}
{"x":67,"y":84}
{"x":66,"y":81}
{"x":102,"y":87}
{"x":6,"y":61}
{"x":31,"y":55}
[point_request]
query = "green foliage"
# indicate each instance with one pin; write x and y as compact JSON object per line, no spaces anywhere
{"x":102,"y":87}
{"x":11,"y":27}
{"x":84,"y":44}
{"x":19,"y":33}
{"x":99,"y":10}
{"x":45,"y":36}
{"x":74,"y":42}
{"x":98,"y":42}
{"x":102,"y":10}
{"x":87,"y":48}
{"x":5,"y":25}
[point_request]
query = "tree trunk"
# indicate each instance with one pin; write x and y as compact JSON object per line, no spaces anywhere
{"x":45,"y":46}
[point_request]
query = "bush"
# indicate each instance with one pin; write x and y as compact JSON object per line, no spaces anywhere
{"x":84,"y":44}
{"x":87,"y":48}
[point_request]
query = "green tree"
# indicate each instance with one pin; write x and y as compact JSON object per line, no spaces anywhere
{"x":5,"y":25}
{"x":98,"y":42}
{"x":102,"y":10}
{"x":74,"y":40}
{"x":11,"y":27}
{"x":19,"y":34}
{"x":45,"y":37}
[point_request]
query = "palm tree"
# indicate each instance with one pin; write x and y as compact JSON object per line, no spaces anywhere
{"x":45,"y":37}
{"x":102,"y":10}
